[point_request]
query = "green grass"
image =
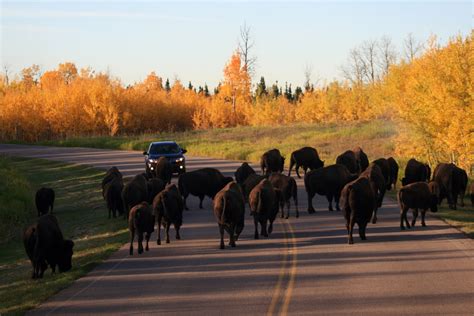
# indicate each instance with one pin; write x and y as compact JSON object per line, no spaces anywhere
{"x":82,"y":216}
{"x":462,"y":218}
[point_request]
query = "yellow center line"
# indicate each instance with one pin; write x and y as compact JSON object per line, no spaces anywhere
{"x":291,"y":282}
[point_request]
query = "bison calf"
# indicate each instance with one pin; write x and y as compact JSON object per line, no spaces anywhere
{"x":286,"y":186}
{"x":358,"y":204}
{"x":263,"y":200}
{"x":141,"y":221}
{"x":44,"y":244}
{"x":229,"y":211}
{"x":168,"y":209}
{"x":418,"y":195}
{"x":44,"y":201}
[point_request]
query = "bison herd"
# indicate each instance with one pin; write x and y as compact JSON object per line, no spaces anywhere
{"x":355,"y":185}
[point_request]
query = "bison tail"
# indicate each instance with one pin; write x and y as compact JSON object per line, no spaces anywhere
{"x":225,"y":211}
{"x":258,"y":209}
{"x":400,"y":197}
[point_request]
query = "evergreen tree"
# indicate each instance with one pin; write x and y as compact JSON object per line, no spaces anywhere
{"x":261,"y":88}
{"x":298,"y":93}
{"x":275,"y":91}
{"x":167,"y":85}
{"x":206,"y":90}
{"x":190,"y":86}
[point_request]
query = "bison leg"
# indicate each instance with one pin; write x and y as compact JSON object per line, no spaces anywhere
{"x":201,"y":198}
{"x":132,"y":237}
{"x":263,"y":228}
{"x":185,"y":196}
{"x":147,"y":238}
{"x":178,"y":236}
{"x":255,"y":221}
{"x":415,"y":215}
{"x":336,"y":199}
{"x":270,"y":227}
{"x":168,"y":224}
{"x":403,"y":217}
{"x":158,"y":239}
{"x":288,"y":204}
{"x":374,"y":217}
{"x":351,"y":229}
{"x":362,"y":231}
{"x":140,"y":242}
{"x":282,"y":208}
{"x":310,"y":203}
{"x":329,"y":198}
{"x":297,"y":170}
{"x":423,"y":213}
{"x":221,"y":231}
{"x":231,"y":232}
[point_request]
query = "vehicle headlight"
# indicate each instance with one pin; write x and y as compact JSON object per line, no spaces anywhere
{"x":180,"y":159}
{"x":151,"y":160}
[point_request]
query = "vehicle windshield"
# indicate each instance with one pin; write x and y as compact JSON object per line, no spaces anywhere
{"x":158,"y":149}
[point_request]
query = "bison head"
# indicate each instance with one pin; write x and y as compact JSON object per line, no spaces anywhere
{"x":65,"y":257}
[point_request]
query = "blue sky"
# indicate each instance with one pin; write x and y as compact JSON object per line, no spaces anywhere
{"x":192,"y":41}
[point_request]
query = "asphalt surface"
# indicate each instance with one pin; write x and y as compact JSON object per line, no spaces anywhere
{"x":304,"y":267}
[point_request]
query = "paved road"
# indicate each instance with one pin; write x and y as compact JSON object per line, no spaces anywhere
{"x":305,"y":267}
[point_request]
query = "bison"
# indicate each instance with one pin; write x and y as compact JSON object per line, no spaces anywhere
{"x":154,"y":186}
{"x":418,"y":195}
{"x":348,"y":159}
{"x":44,"y":201}
{"x":141,"y":221}
{"x":263,"y":200}
{"x":113,"y":197}
{"x":374,"y":174}
{"x":287,"y":188}
{"x":134,"y":192}
{"x":358,"y":203}
{"x":168,"y":209}
{"x":202,"y":182}
{"x":229,"y":211}
{"x":385,"y":167}
{"x":415,"y":171}
{"x":45,"y":245}
{"x":243,"y":172}
{"x":111,"y":174}
{"x":163,"y":170}
{"x":249,"y":183}
{"x":393,"y":172}
{"x":361,"y":159}
{"x":327,"y":181}
{"x":306,"y":157}
{"x":272,"y":161}
{"x":452,"y":181}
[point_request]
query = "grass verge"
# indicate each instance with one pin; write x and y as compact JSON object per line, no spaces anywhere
{"x":81,"y":213}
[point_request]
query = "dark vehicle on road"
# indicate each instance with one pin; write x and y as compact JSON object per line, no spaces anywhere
{"x":168,"y":149}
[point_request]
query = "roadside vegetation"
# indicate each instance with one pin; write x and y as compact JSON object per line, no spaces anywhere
{"x":81,"y":213}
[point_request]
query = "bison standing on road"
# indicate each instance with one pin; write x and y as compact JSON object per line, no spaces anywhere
{"x":358,"y":203}
{"x":134,"y":192}
{"x":168,"y":209}
{"x":349,"y":160}
{"x":393,"y":172}
{"x":163,"y":170}
{"x":385,"y":167}
{"x":452,"y":181}
{"x":229,"y":211}
{"x":243,"y":172}
{"x":44,"y":201}
{"x":250,"y":183}
{"x":287,"y":188}
{"x":154,"y":186}
{"x":327,"y":181}
{"x":361,"y":158}
{"x":272,"y":161}
{"x":374,"y":174}
{"x":202,"y":182}
{"x":45,"y":245}
{"x":141,"y":221}
{"x":415,"y":171}
{"x":113,"y":196}
{"x":306,"y":157}
{"x":418,"y":195}
{"x":263,"y":200}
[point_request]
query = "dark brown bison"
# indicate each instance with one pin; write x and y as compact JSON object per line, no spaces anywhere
{"x":286,"y":186}
{"x":134,"y":192}
{"x":168,"y":209}
{"x":249,"y":183}
{"x":163,"y":170}
{"x":111,"y":174}
{"x":385,"y":167}
{"x":452,"y":182}
{"x":358,"y":203}
{"x":306,"y":157}
{"x":361,"y":158}
{"x":45,"y":245}
{"x":202,"y":182}
{"x":154,"y":186}
{"x":263,"y":201}
{"x":113,"y":197}
{"x":229,"y":211}
{"x":242,"y":173}
{"x":418,"y":195}
{"x":141,"y":221}
{"x":44,"y":200}
{"x":327,"y":181}
{"x":374,"y":174}
{"x":348,"y":159}
{"x":272,"y":161}
{"x":415,"y":171}
{"x":393,"y":172}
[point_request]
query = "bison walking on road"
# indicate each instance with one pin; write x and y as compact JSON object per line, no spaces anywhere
{"x":168,"y":209}
{"x":417,"y":196}
{"x":45,"y":245}
{"x":272,"y":161}
{"x":134,"y":192}
{"x":263,"y":200}
{"x":163,"y":170}
{"x":349,"y":160}
{"x":385,"y":168}
{"x":361,"y":159}
{"x":327,"y":181}
{"x":243,"y":172}
{"x":452,"y":182}
{"x":374,"y":174}
{"x":113,"y":197}
{"x":415,"y":171}
{"x":250,"y":183}
{"x":229,"y":211}
{"x":154,"y":186}
{"x":358,"y":203}
{"x":307,"y":158}
{"x":286,"y":186}
{"x":393,"y":172}
{"x":141,"y":221}
{"x":44,"y":201}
